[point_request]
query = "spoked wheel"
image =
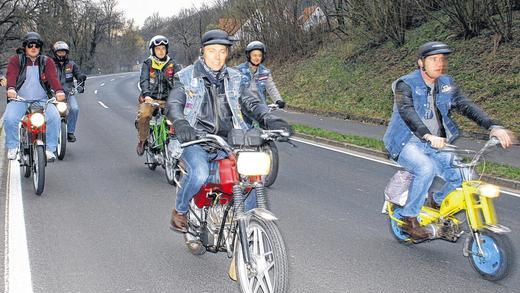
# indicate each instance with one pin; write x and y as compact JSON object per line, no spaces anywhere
{"x":269,"y":271}
{"x":170,"y":167}
{"x":193,"y":242}
{"x":497,"y":258}
{"x":272,"y":150}
{"x":150,"y":160}
{"x":39,"y":169}
{"x":24,"y":157}
{"x":62,"y":141}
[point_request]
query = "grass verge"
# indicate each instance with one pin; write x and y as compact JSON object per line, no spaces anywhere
{"x":490,"y":168}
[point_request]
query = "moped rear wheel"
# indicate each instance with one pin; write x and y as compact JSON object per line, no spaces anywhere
{"x":39,"y":161}
{"x":397,"y":230}
{"x":269,"y":270}
{"x":497,"y":259}
{"x":193,"y":243}
{"x":62,"y":141}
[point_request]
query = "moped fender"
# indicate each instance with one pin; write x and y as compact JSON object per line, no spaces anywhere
{"x":39,"y":142}
{"x":260,"y":213}
{"x":498,"y":229}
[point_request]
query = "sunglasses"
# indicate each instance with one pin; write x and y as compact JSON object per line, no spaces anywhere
{"x":33,"y":45}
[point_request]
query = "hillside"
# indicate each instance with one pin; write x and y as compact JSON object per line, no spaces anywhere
{"x":349,"y":80}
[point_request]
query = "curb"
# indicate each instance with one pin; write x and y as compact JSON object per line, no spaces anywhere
{"x":474,"y":135}
{"x":508,"y":183}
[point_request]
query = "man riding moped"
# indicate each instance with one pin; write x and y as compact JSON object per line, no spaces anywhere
{"x":421,"y":124}
{"x":210,"y":97}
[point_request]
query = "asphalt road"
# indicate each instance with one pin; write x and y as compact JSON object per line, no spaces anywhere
{"x":102,"y":223}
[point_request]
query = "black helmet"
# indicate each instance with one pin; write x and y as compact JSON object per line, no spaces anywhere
{"x":255,"y":45}
{"x":157,"y":41}
{"x":32,"y":37}
{"x":433,"y":48}
{"x":216,"y":37}
{"x":60,"y":46}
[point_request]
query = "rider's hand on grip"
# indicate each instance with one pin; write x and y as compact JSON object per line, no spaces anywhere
{"x":148,"y":99}
{"x":435,"y":141}
{"x":279,"y":124}
{"x":506,"y":137}
{"x":280,"y":103}
{"x":60,"y":97}
{"x":11,"y":94}
{"x":184,"y":131}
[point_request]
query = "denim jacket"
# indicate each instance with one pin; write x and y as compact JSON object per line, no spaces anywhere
{"x":398,"y":132}
{"x":263,"y":81}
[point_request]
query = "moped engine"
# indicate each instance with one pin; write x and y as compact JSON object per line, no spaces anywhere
{"x":446,"y":230}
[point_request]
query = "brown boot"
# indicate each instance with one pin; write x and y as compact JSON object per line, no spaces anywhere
{"x":414,"y":229}
{"x":179,"y":222}
{"x":140,"y":148}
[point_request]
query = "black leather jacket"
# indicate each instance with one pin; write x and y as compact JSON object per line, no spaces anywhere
{"x":215,"y":116}
{"x":155,"y":83}
{"x":405,"y":106}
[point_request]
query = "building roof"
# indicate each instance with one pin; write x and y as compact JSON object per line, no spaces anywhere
{"x":229,"y":25}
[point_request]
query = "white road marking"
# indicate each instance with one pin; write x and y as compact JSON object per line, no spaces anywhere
{"x":95,"y":92}
{"x":370,"y":158}
{"x":103,"y":105}
{"x":102,"y":84}
{"x":112,"y":79}
{"x":17,"y":266}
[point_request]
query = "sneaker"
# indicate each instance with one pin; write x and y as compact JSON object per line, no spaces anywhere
{"x":50,"y":156}
{"x":71,"y":137}
{"x":12,"y":153}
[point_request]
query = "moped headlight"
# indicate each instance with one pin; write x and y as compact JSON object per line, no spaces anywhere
{"x":253,"y":163}
{"x":489,"y":190}
{"x":37,"y":119}
{"x":62,"y":107}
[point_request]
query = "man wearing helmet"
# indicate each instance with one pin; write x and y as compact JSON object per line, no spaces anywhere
{"x":32,"y":76}
{"x":210,"y":97}
{"x":156,"y":83}
{"x":67,"y":71}
{"x":421,"y":123}
{"x":256,"y":76}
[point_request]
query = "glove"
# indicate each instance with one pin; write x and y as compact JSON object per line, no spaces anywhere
{"x":184,"y":131}
{"x":80,"y":89}
{"x":280,"y":103}
{"x":278,"y":124}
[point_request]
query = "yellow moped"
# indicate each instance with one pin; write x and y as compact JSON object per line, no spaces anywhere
{"x":467,"y":210}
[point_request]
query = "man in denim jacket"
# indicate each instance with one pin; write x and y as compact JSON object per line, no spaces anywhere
{"x":257,"y":77}
{"x":210,"y":97}
{"x":421,"y":124}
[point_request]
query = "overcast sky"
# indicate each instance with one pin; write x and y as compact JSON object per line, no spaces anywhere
{"x":139,"y":10}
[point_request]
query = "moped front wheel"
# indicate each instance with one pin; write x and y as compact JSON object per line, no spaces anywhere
{"x":497,"y":257}
{"x":39,"y":161}
{"x":24,"y":156}
{"x":269,"y":268}
{"x":170,"y":166}
{"x":62,"y":141}
{"x":150,"y":160}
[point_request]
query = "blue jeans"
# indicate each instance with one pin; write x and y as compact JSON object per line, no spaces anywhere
{"x":425,"y":162}
{"x":197,"y":163}
{"x":14,"y":113}
{"x":72,"y":118}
